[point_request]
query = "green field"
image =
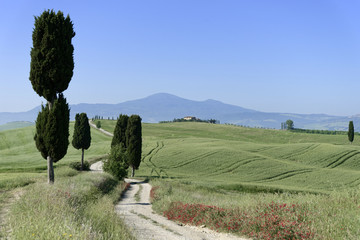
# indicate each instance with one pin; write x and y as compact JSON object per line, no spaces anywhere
{"x":232,"y":167}
{"x":15,"y":125}
{"x":20,"y":162}
{"x":223,"y":156}
{"x":233,"y":157}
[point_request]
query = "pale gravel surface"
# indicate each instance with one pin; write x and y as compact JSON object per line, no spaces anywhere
{"x":147,"y":225}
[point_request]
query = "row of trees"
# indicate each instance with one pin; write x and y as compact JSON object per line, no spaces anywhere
{"x":288,"y":125}
{"x":97,"y":117}
{"x":51,"y":70}
{"x":125,"y":146}
{"x":213,"y":121}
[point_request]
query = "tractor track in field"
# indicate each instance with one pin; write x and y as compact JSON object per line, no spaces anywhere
{"x":300,"y":151}
{"x":342,"y":159}
{"x":194,"y":159}
{"x":234,"y":166}
{"x":285,"y":175}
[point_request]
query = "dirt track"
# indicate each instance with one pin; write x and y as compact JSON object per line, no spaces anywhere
{"x":146,"y":225}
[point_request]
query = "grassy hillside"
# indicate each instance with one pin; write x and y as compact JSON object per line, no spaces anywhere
{"x":199,"y":163}
{"x":15,"y":125}
{"x":20,"y":161}
{"x":233,"y":157}
{"x":223,"y":156}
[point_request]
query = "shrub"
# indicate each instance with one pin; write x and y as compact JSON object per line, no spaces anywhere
{"x":98,"y":124}
{"x":77,"y":166}
{"x":117,"y":163}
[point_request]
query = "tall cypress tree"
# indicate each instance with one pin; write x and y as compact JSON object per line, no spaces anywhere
{"x":120,"y":131}
{"x":51,"y":70}
{"x":82,"y":136}
{"x":134,"y":142}
{"x":351,"y":132}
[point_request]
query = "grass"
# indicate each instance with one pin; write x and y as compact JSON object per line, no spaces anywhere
{"x":333,"y":216}
{"x":234,"y":168}
{"x":76,"y":207}
{"x":245,"y":170}
{"x":15,"y":125}
{"x":138,"y":193}
{"x":21,"y":163}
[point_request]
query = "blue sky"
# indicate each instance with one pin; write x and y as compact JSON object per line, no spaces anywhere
{"x":300,"y":56}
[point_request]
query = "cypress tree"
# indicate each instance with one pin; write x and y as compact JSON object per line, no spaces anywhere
{"x":134,"y":142}
{"x":351,"y":132}
{"x":120,"y":131}
{"x":82,"y":136}
{"x":51,"y":70}
{"x":52,"y":132}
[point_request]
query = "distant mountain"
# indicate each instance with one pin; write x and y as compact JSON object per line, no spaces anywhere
{"x":165,"y":107}
{"x":29,"y":116}
{"x":162,"y":106}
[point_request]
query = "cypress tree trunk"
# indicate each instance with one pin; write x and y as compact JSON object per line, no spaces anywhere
{"x":82,"y":160}
{"x":50,"y":166}
{"x":50,"y":170}
{"x":132,"y":171}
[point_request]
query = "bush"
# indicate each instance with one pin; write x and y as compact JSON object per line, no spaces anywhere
{"x":77,"y":166}
{"x":98,"y":124}
{"x":117,"y":163}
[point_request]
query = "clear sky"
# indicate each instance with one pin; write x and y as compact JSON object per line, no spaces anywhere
{"x":300,"y":56}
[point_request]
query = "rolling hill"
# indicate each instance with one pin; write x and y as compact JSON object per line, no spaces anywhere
{"x":234,"y":158}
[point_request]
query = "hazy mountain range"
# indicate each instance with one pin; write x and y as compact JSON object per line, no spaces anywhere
{"x":165,"y":107}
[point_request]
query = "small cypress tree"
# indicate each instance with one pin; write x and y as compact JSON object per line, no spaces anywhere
{"x":134,"y":142}
{"x":351,"y":132}
{"x":120,"y":131}
{"x":82,"y":136}
{"x":52,"y":132}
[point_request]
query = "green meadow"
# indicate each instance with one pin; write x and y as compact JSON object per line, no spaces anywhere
{"x":222,"y":165}
{"x":237,"y":158}
{"x":244,"y":170}
{"x":21,"y":163}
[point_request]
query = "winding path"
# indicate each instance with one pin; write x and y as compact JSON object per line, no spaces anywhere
{"x":146,"y":225}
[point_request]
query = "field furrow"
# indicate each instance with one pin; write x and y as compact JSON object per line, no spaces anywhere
{"x":342,"y":159}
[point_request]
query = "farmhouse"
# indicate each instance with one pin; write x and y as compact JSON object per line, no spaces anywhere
{"x":189,"y":118}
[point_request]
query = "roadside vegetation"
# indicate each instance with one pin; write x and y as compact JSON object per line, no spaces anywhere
{"x":21,"y":165}
{"x":258,"y":214}
{"x":77,"y":206}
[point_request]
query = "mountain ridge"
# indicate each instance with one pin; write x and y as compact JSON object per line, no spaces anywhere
{"x":166,"y":107}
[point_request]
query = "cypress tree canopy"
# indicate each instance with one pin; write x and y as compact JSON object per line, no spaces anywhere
{"x":120,"y":131}
{"x":82,"y":135}
{"x":351,"y":131}
{"x":52,"y":130}
{"x":134,"y":141}
{"x":52,"y":61}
